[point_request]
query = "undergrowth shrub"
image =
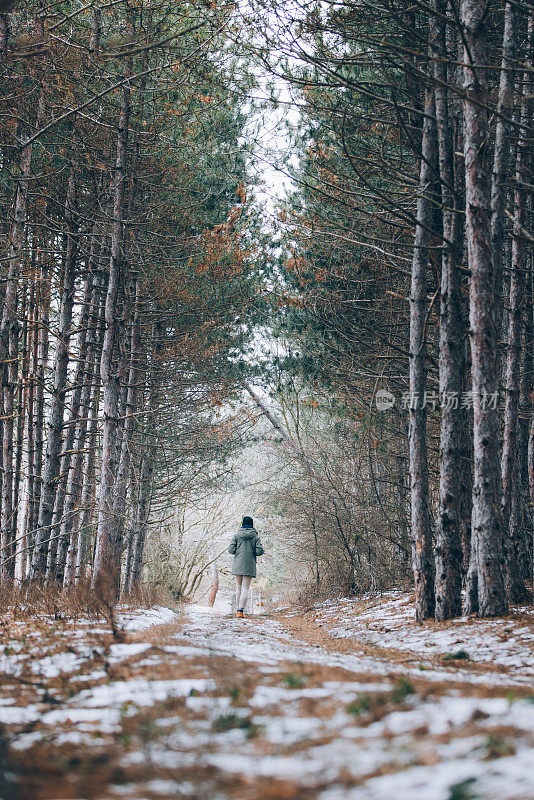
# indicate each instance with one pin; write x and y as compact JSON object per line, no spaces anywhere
{"x":30,"y":601}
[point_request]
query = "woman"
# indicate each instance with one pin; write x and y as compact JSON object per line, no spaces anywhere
{"x":245,"y":547}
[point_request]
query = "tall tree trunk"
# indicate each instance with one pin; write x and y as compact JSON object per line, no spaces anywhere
{"x":9,"y":361}
{"x":24,"y":526}
{"x":448,"y":550}
{"x":22,"y":396}
{"x":54,"y":544}
{"x":511,"y":454}
{"x":423,"y":566}
{"x":141,"y":515}
{"x":8,"y":489}
{"x":142,"y":484}
{"x":42,"y":333}
{"x":130,"y":407}
{"x":95,"y":35}
{"x":57,"y":546}
{"x":455,"y":77}
{"x":126,"y":577}
{"x":498,"y":198}
{"x":4,"y":37}
{"x":487,"y":522}
{"x":83,"y":524}
{"x":69,"y":533}
{"x":133,"y":373}
{"x":502,"y":151}
{"x":530,"y":424}
{"x":106,"y":571}
{"x":56,"y":414}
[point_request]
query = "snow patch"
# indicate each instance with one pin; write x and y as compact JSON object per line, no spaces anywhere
{"x":141,"y":620}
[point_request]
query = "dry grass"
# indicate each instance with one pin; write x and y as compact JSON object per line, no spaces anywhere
{"x":33,"y":602}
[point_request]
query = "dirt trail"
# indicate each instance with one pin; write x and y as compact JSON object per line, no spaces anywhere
{"x":283,"y":706}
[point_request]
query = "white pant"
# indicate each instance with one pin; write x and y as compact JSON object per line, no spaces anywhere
{"x":242,"y":586}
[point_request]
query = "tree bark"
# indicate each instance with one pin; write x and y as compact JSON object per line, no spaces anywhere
{"x":55,"y":548}
{"x":487,"y":522}
{"x":133,"y":372}
{"x":84,"y":522}
{"x":141,"y":516}
{"x":41,"y":356}
{"x":106,"y":571}
{"x":69,"y":534}
{"x":423,"y":565}
{"x":448,"y":550}
{"x":530,"y":436}
{"x":502,"y":151}
{"x":511,"y":453}
{"x":79,"y":408}
{"x":8,"y":361}
{"x":22,"y":396}
{"x":24,"y":521}
{"x":57,"y":406}
{"x":130,"y":407}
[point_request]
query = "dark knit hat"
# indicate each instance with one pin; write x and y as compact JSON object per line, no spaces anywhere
{"x":247,"y":522}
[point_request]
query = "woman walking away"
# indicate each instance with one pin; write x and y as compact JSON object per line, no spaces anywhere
{"x":245,"y":547}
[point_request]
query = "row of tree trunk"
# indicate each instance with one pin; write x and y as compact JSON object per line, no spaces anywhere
{"x":114,"y":330}
{"x":71,"y":354}
{"x":477,"y":195}
{"x":415,"y":178}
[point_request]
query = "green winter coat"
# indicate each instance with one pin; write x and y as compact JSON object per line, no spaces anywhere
{"x":245,"y":547}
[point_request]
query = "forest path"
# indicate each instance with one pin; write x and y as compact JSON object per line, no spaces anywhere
{"x":210,"y":707}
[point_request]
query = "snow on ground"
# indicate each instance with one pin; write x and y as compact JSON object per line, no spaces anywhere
{"x":140,"y":620}
{"x":217,"y":707}
{"x":388,"y":620}
{"x":508,"y":644}
{"x":265,"y":641}
{"x":16,"y":656}
{"x":510,"y":777}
